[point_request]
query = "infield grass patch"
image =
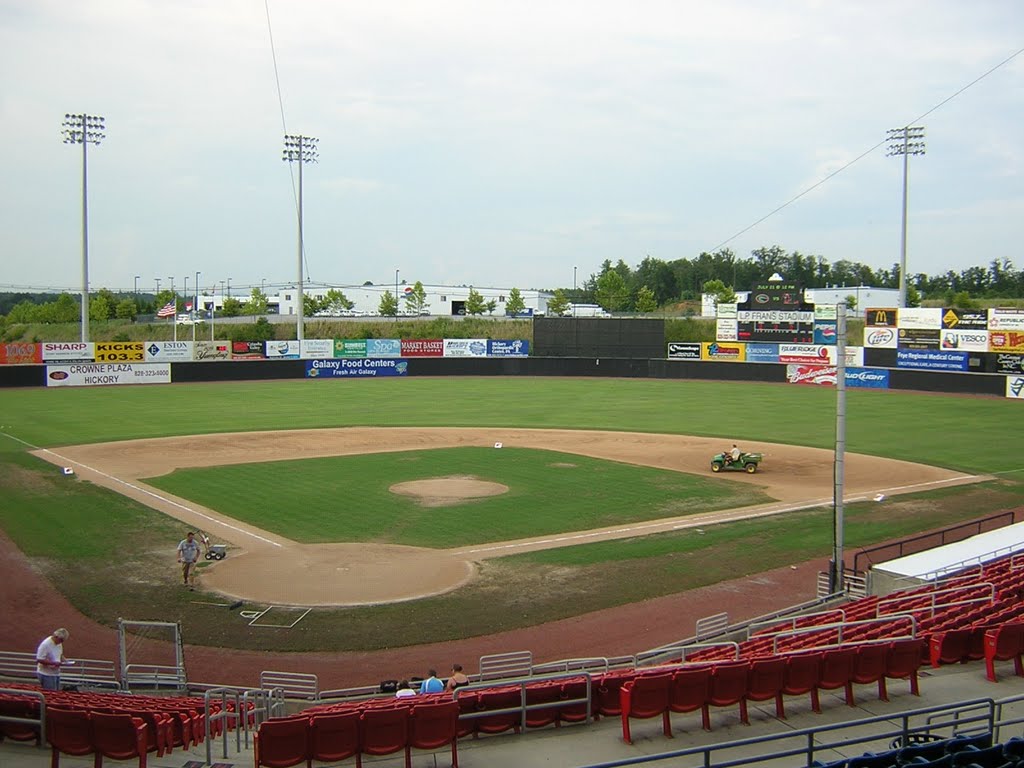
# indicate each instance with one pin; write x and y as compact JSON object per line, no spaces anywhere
{"x":346,"y":498}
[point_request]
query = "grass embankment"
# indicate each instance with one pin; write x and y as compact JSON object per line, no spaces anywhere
{"x":113,"y":557}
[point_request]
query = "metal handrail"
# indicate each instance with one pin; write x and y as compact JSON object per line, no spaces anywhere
{"x":840,"y":627}
{"x":523,"y":708}
{"x":39,"y":723}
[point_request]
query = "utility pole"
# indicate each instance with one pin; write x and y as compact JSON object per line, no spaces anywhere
{"x":300,"y":149}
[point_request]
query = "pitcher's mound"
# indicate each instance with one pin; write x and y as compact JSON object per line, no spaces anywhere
{"x":443,"y":491}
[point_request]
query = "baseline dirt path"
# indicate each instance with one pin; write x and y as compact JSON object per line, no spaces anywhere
{"x":270,"y":569}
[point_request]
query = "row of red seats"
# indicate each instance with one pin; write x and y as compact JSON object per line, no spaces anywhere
{"x":78,"y":732}
{"x":335,"y":736}
{"x":736,"y":683}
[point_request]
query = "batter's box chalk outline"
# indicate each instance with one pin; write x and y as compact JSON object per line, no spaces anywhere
{"x":256,"y":616}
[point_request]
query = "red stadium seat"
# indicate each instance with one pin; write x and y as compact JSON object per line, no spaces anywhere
{"x":803,"y":672}
{"x":869,"y":665}
{"x":837,"y":671}
{"x":689,"y":692}
{"x":282,"y":742}
{"x":766,"y":680}
{"x":949,"y":647}
{"x":605,"y":691}
{"x":904,"y":660}
{"x":499,"y":698}
{"x":432,"y":726}
{"x":643,"y":697}
{"x":69,"y":732}
{"x":119,"y":737}
{"x":385,"y":731}
{"x":729,"y":686}
{"x":333,"y":737}
{"x":1004,"y":643}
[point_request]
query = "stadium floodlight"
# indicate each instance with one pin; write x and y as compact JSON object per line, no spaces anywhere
{"x":905,"y":141}
{"x":84,"y":129}
{"x":300,"y":149}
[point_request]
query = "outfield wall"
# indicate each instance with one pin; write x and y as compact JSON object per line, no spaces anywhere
{"x":91,"y":374}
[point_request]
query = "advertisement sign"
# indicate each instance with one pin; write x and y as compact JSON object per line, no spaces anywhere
{"x":1006,"y":320}
{"x":880,"y":338}
{"x":965,"y":319}
{"x":278,"y":350}
{"x":168,"y":352}
{"x":920,"y":317}
{"x":966,"y":340}
{"x":104,"y":374}
{"x":867,"y":378}
{"x":931,"y":359}
{"x":825,"y":332}
{"x":206,"y":351}
{"x":1004,"y":363}
{"x":726,"y":330}
{"x":915,"y":338}
{"x":508,"y":348}
{"x":726,"y":311}
{"x":345,"y":367}
{"x":350,"y":348}
{"x":316,"y":348}
{"x":825,"y":312}
{"x":465,"y":347}
{"x":821,"y":375}
{"x":422,"y":347}
{"x":1006,"y":341}
{"x":811,"y":354}
{"x":383,"y":348}
{"x":20,"y":353}
{"x":762,"y":352}
{"x":120,"y":352}
{"x":774,"y":316}
{"x":1015,"y":387}
{"x":68,"y":350}
{"x":684,"y":350}
{"x":247,"y":350}
{"x":880,"y":318}
{"x":854,"y":357}
{"x":727,"y":351}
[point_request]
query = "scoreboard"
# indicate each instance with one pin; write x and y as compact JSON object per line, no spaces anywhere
{"x":775,"y":312}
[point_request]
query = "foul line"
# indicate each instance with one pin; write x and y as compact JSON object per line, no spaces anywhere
{"x":710,"y":518}
{"x":145,"y":491}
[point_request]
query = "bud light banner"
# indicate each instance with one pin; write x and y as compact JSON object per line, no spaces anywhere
{"x":758,"y":352}
{"x":867,"y":378}
{"x":508,"y":347}
{"x":346,"y":367}
{"x":383,"y":348}
{"x":824,"y":332}
{"x":931,"y":359}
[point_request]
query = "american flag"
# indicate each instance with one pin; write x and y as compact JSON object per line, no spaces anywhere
{"x":167,"y":310}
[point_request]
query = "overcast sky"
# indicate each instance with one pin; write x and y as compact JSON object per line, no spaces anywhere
{"x":501,"y":143}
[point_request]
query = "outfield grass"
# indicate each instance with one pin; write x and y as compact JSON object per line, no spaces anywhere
{"x":346,"y":498}
{"x":105,"y":542}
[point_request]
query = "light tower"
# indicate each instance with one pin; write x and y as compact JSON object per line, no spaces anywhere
{"x":84,"y":129}
{"x":300,"y":149}
{"x":905,"y":141}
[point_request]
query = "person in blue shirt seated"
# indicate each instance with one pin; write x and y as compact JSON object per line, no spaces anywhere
{"x":432,"y":684}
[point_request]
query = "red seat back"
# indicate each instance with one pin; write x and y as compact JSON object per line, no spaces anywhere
{"x":837,"y":667}
{"x":501,"y":698}
{"x":645,"y":695}
{"x":333,"y":736}
{"x":728,"y":683}
{"x":119,"y":736}
{"x":433,"y":725}
{"x":384,"y":731}
{"x":69,"y":731}
{"x":282,"y":742}
{"x":869,"y":663}
{"x":689,"y":690}
{"x":766,"y":678}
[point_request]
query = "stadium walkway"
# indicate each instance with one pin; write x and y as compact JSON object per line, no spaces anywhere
{"x":582,"y":745}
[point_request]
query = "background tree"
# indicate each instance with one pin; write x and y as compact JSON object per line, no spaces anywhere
{"x":514,"y":304}
{"x":491,"y":306}
{"x":416,"y":299}
{"x":963,"y":300}
{"x":232,"y":307}
{"x":851,"y":306}
{"x":126,"y":310}
{"x":311,"y":304}
{"x":723,"y":293}
{"x":257,"y":304}
{"x":336,"y":301}
{"x":611,"y":291}
{"x":388,"y":306}
{"x":475,"y":304}
{"x":100,"y":308}
{"x":645,"y":301}
{"x":558,"y":304}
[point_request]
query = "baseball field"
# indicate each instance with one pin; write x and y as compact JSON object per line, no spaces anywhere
{"x":419,"y":510}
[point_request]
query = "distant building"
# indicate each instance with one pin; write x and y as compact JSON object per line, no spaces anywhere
{"x":440,"y":299}
{"x":864,"y":295}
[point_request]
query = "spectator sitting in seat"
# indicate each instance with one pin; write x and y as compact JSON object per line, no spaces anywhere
{"x":432,"y":684}
{"x":404,"y":690}
{"x":457,"y":679}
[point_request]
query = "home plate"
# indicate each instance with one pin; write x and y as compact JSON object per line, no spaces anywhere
{"x":880,"y":497}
